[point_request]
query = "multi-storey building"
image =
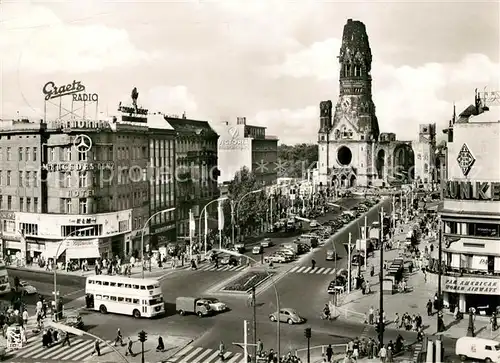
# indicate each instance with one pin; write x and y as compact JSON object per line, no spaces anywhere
{"x":243,"y":145}
{"x":471,"y":217}
{"x":196,"y":168}
{"x":425,"y":156}
{"x":91,"y":184}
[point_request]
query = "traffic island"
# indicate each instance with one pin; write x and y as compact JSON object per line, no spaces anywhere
{"x":244,"y":283}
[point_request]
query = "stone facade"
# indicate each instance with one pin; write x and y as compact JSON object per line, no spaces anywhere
{"x":352,"y":151}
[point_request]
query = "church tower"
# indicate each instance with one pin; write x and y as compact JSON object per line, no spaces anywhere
{"x":349,"y":147}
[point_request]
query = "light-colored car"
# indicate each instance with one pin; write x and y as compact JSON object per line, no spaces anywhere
{"x":257,"y":250}
{"x":228,"y":260}
{"x":215,"y":304}
{"x":266,"y":243}
{"x":287,"y":315}
{"x":275,"y":258}
{"x":288,"y":253}
{"x":314,"y":224}
{"x":26,"y":288}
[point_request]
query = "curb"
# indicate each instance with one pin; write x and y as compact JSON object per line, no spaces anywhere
{"x":51,"y":273}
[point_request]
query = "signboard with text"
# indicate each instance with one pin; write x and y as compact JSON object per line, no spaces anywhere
{"x":470,"y":190}
{"x":472,"y":285}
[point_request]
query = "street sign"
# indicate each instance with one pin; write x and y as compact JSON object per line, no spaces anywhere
{"x":65,"y":328}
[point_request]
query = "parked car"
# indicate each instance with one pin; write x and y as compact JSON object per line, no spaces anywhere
{"x":287,"y":315}
{"x":25,"y":288}
{"x":192,"y":305}
{"x":275,"y":258}
{"x":74,"y":320}
{"x":257,"y":250}
{"x":215,"y":304}
{"x":229,"y":260}
{"x":288,"y":253}
{"x":266,"y":243}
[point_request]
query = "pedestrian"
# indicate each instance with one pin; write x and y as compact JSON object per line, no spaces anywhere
{"x":221,"y":350}
{"x":25,"y":317}
{"x":260,"y":347}
{"x":383,"y":354}
{"x":429,"y":308}
{"x":329,"y":353}
{"x":129,"y":347}
{"x":97,"y":348}
{"x":161,"y":346}
{"x":66,"y":340}
{"x":119,"y":337}
{"x":313,"y":263}
{"x":370,"y":315}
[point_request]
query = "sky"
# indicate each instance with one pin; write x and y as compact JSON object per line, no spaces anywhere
{"x":271,"y":61}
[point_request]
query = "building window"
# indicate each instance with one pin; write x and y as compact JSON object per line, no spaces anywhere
{"x":35,"y":150}
{"x":68,"y":154}
{"x":83,"y":206}
{"x":1,"y":202}
{"x":82,"y":156}
{"x":9,"y":178}
{"x":29,"y":229}
{"x":82,"y":179}
{"x":66,"y":205}
{"x":68,"y":180}
{"x":21,"y":153}
{"x":9,"y":202}
{"x":35,"y":204}
{"x":9,"y":154}
{"x":1,"y":177}
{"x":21,"y":204}
{"x":27,"y":181}
{"x":35,"y":178}
{"x":52,"y":154}
{"x":21,"y":181}
{"x":28,"y":204}
{"x":27,"y":154}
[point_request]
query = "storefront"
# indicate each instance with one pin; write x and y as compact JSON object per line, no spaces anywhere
{"x":481,"y":293}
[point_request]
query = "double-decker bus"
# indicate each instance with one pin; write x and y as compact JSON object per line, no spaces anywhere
{"x":124,"y":295}
{"x":4,"y":279}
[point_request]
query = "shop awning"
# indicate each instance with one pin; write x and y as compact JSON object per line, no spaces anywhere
{"x":51,"y":248}
{"x":79,"y":249}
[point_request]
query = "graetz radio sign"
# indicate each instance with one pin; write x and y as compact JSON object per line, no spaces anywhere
{"x":76,"y":89}
{"x":466,"y":190}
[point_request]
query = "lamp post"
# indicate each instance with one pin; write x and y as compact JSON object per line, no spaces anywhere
{"x":238,"y":208}
{"x":56,"y":300}
{"x":278,"y":332}
{"x":144,"y":230}
{"x":204,"y":210}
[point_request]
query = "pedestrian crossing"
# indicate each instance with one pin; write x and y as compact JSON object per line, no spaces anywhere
{"x":211,"y":267}
{"x":313,"y":271}
{"x":193,"y":354}
{"x":79,"y":350}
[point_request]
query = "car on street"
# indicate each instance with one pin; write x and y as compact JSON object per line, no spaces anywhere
{"x":314,"y":224}
{"x":338,"y":285}
{"x":240,"y":247}
{"x":229,"y":260}
{"x":287,"y":315}
{"x":26,"y":288}
{"x":276,"y":257}
{"x":288,"y":253}
{"x":266,"y":243}
{"x":215,"y":304}
{"x":257,"y":250}
{"x":74,"y":320}
{"x":330,"y":255}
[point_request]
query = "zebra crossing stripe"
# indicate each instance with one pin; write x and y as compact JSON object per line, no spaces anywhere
{"x":200,"y":357}
{"x":61,"y":353}
{"x":50,"y":352}
{"x":179,"y":354}
{"x":213,"y":356}
{"x":306,"y":270}
{"x":333,"y":271}
{"x":235,"y":358}
{"x":87,"y":348}
{"x":85,"y":353}
{"x":191,"y":355}
{"x":321,"y":270}
{"x":295,"y":269}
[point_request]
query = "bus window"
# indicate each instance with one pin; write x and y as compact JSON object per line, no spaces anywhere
{"x":98,"y":282}
{"x":128,"y":286}
{"x":112,"y":298}
{"x":105,"y":283}
{"x":105,"y":297}
{"x":120,"y":284}
{"x":135,"y":301}
{"x":112,"y":284}
{"x":91,"y":282}
{"x":120,"y":299}
{"x":98,"y":297}
{"x":128,"y":300}
{"x":136,"y":287}
{"x":150,"y":287}
{"x":143,"y":287}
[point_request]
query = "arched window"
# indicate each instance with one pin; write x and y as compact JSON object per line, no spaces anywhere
{"x":357,"y":71}
{"x":349,"y":134}
{"x":347,"y":70}
{"x":426,"y":168}
{"x":337,"y":134}
{"x":344,"y":132}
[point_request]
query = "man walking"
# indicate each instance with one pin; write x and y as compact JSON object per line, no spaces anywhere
{"x":66,"y":340}
{"x":329,"y":353}
{"x":129,"y":347}
{"x":97,"y":348}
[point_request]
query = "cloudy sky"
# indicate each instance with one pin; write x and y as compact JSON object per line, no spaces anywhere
{"x":271,"y":61}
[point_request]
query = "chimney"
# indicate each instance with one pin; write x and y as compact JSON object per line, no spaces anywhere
{"x":241,"y":120}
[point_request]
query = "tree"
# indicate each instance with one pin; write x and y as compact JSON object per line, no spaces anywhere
{"x":297,"y":159}
{"x":251,"y":209}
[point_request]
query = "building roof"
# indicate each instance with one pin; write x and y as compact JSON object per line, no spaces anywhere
{"x":185,"y":125}
{"x":158,"y":121}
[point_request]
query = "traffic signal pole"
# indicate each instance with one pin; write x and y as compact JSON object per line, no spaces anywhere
{"x":308,"y":334}
{"x":254,"y":305}
{"x":143,"y":336}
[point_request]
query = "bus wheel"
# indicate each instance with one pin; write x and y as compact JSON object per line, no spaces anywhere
{"x":136,"y":314}
{"x":103,"y":309}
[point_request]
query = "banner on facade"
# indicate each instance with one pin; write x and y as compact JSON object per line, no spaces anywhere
{"x":220,"y":216}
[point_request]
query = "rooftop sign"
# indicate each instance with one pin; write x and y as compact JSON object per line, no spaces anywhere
{"x":77,"y":89}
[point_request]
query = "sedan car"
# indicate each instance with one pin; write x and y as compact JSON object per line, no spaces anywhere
{"x":266,"y":243}
{"x":229,"y":260}
{"x":215,"y":304}
{"x":26,"y":288}
{"x":287,"y":315}
{"x":257,"y":250}
{"x":288,"y":253}
{"x":275,"y":258}
{"x":314,"y":224}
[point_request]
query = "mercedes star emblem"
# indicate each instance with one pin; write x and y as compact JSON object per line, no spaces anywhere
{"x":82,"y":143}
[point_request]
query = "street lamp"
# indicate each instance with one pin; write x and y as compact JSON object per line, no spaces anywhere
{"x":55,"y":261}
{"x":278,"y":332}
{"x":144,"y":230}
{"x":238,"y":207}
{"x":204,"y":210}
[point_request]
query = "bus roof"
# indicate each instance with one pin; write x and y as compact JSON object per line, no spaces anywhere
{"x":123,"y":279}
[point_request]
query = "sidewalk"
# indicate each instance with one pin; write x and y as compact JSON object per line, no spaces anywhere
{"x":356,"y":305}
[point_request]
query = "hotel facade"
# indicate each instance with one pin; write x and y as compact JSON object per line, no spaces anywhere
{"x":470,"y":218}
